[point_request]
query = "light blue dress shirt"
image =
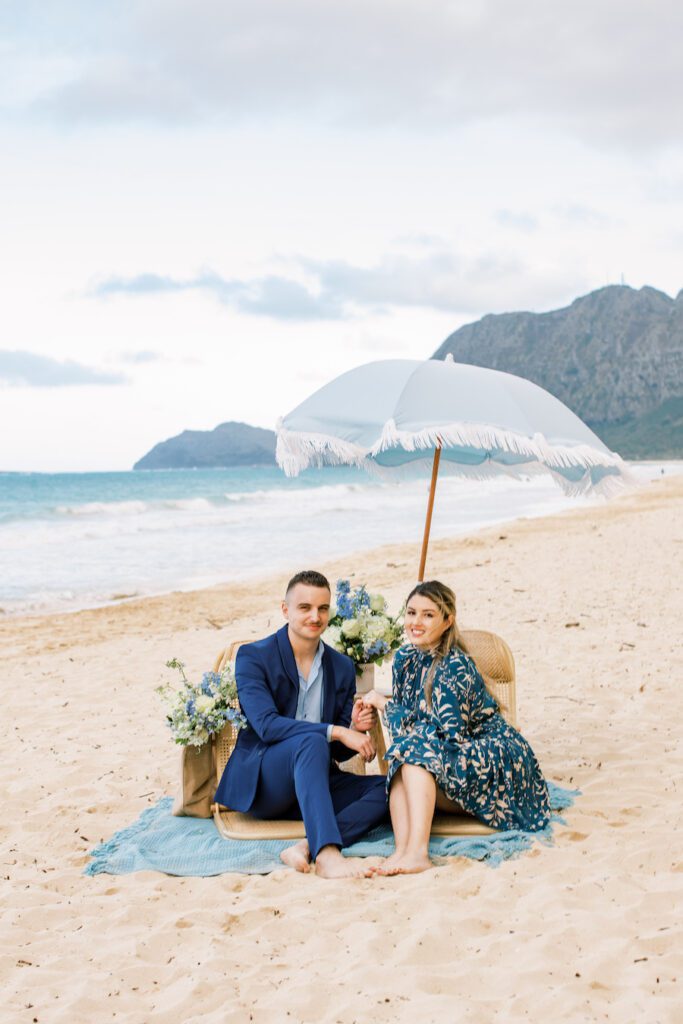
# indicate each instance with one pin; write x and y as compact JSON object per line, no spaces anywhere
{"x":309,"y":706}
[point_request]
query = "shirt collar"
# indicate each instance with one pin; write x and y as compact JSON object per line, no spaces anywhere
{"x":315,"y":665}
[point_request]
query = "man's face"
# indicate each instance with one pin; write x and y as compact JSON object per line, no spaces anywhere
{"x":307,"y":610}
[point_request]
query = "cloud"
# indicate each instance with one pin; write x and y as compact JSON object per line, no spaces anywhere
{"x":516,"y":219}
{"x":443,"y":280}
{"x":274,"y":296}
{"x":142,"y":284}
{"x":585,"y":216}
{"x":136,"y":358}
{"x":27,"y":369}
{"x":608,"y":72}
{"x":437,"y":279}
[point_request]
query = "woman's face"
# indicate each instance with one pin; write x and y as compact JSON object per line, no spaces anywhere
{"x":424,"y":623}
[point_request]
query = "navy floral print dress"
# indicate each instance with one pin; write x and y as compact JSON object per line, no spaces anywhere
{"x":477,"y":759}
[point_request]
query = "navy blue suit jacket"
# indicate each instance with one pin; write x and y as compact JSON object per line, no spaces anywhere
{"x":268,"y":690}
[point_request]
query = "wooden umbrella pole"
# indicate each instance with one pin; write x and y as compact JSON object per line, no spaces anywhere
{"x":428,"y":520}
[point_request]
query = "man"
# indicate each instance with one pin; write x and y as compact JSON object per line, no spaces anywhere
{"x":298,"y":697}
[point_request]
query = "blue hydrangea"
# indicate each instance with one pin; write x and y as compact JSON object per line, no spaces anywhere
{"x":190,"y":708}
{"x":376,"y":649}
{"x":344,"y":600}
{"x":350,"y":603}
{"x":210,"y":683}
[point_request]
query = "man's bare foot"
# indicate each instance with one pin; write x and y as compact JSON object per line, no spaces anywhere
{"x":297,"y":857}
{"x":405,"y":865}
{"x":331,"y":864}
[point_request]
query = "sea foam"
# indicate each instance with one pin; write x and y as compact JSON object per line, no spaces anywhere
{"x":74,"y":540}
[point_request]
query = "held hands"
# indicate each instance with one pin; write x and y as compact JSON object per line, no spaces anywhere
{"x":363,"y":715}
{"x":374,"y":700}
{"x":363,"y":718}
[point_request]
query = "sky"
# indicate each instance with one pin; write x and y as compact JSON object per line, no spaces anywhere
{"x":210,"y":208}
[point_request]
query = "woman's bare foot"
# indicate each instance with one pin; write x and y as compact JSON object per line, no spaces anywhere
{"x":386,"y":867}
{"x":405,"y":865}
{"x":331,"y":864}
{"x":297,"y":857}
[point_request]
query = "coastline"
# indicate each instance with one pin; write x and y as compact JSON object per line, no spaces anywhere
{"x":589,"y":601}
{"x":81,"y":543}
{"x":210,"y":602}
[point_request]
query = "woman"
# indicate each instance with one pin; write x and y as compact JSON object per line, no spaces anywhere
{"x":451,"y":749}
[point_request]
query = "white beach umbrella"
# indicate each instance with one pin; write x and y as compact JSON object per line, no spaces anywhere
{"x":404,"y":414}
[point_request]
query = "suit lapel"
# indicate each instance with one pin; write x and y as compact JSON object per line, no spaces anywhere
{"x":287,"y":656}
{"x":329,"y":687}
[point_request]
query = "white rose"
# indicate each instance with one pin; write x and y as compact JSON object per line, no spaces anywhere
{"x":377,"y":627}
{"x":351,"y":628}
{"x":377,"y":603}
{"x":204,"y":704}
{"x":332,"y":636}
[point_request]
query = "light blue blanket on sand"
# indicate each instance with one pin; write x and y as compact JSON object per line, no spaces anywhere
{"x":190,"y":846}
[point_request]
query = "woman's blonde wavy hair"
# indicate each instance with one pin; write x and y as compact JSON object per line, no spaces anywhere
{"x":444,"y":599}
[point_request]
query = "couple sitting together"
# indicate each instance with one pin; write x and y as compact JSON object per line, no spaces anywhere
{"x":450,"y":748}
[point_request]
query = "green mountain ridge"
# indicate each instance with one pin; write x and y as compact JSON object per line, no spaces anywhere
{"x":657,"y":434}
{"x":614,"y":356}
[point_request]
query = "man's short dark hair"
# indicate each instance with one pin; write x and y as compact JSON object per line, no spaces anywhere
{"x":310,"y":578}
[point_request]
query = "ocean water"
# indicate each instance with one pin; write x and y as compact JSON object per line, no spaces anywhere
{"x":74,"y":540}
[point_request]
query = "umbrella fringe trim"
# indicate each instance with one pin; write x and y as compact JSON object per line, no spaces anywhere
{"x":300,"y":450}
{"x":296,"y":451}
{"x":467,"y":435}
{"x":609,"y":486}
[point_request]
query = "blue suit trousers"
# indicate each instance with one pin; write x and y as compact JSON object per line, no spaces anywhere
{"x":297,"y":780}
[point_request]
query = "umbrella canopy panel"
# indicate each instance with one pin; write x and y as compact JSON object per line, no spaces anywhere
{"x":350,"y":412}
{"x":396,"y":412}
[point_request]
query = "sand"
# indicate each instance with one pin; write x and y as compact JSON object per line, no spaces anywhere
{"x":586,"y":929}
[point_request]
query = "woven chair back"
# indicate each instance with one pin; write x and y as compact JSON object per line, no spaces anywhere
{"x":227,"y":737}
{"x":493,"y":658}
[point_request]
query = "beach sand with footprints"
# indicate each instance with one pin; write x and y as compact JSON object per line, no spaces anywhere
{"x":585,"y":929}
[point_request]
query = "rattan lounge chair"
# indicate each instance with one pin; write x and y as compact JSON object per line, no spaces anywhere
{"x":496,"y":664}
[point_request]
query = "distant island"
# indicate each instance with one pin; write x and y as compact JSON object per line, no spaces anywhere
{"x":229,"y":444}
{"x":614,"y":356}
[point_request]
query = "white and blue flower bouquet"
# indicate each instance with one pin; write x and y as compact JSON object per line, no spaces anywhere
{"x":361,"y":627}
{"x":197,"y":713}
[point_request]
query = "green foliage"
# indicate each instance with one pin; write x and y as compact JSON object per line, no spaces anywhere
{"x":656,"y":435}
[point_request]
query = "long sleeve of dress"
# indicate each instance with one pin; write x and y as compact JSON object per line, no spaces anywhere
{"x":398,"y":718}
